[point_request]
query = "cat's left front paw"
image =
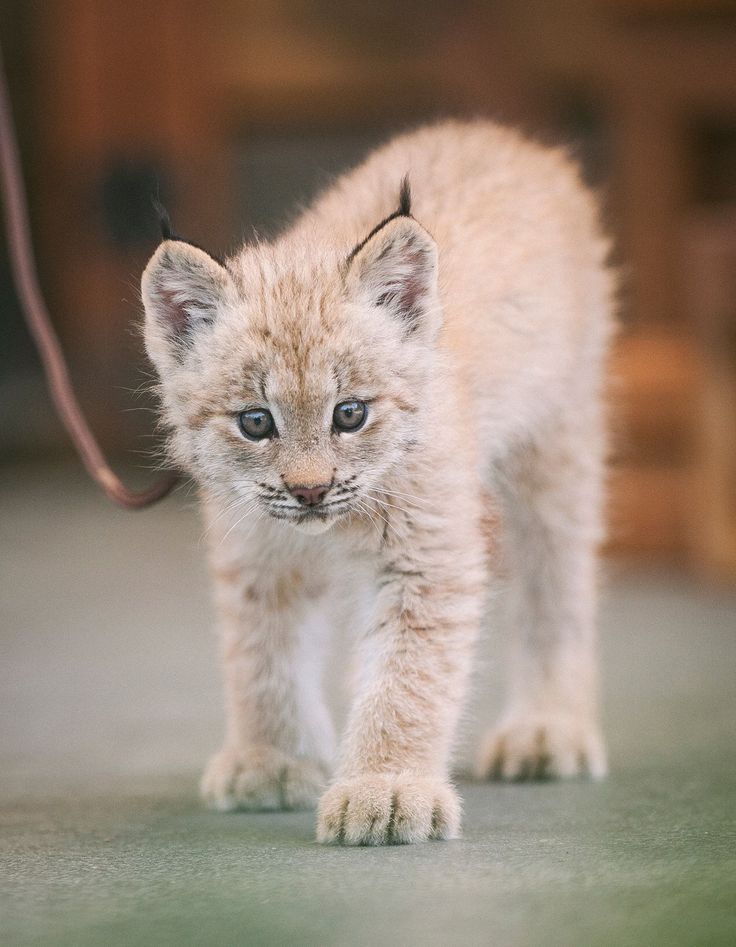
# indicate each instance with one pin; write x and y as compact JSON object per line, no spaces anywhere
{"x":542,"y":744}
{"x":388,"y":809}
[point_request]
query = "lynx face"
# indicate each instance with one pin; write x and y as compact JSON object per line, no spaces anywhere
{"x":291,"y":385}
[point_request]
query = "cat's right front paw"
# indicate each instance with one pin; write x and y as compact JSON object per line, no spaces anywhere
{"x":260,"y":779}
{"x":388,"y":809}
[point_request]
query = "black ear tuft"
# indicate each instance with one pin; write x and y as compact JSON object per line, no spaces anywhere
{"x":168,"y":232}
{"x":405,"y":198}
{"x":403,"y":210}
{"x":164,"y":221}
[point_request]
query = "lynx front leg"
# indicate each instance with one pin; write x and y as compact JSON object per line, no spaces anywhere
{"x":393,"y":784}
{"x":552,"y":519}
{"x":279,"y":736}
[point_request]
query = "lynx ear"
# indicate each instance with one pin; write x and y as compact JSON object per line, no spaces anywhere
{"x":396,"y":268}
{"x":182,"y":289}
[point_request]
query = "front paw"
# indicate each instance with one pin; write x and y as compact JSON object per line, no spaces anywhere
{"x":388,"y":809}
{"x":260,"y":779}
{"x":539,"y":745}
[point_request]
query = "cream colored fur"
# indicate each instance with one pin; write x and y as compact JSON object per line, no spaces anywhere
{"x":476,"y":329}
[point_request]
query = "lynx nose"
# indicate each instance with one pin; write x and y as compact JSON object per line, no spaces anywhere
{"x":309,"y":496}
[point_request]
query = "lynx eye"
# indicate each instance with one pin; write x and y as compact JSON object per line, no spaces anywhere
{"x":256,"y":424}
{"x":349,"y":415}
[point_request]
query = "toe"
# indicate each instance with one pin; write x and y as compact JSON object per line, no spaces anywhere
{"x":413,"y":805}
{"x":595,"y":757}
{"x":446,"y":814}
{"x":369,"y":814}
{"x":301,"y":785}
{"x":258,"y":790}
{"x":331,"y":815}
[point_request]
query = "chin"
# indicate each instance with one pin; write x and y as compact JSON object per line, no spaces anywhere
{"x":312,"y":526}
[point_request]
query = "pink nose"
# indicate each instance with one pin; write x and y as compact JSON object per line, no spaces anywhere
{"x":309,"y":496}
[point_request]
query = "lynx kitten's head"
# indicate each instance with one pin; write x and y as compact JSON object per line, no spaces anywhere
{"x":292,"y":375}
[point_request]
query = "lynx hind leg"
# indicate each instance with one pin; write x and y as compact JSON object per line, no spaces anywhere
{"x":551,"y":495}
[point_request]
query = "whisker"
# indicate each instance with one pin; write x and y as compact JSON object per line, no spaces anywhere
{"x":403,"y":496}
{"x":255,"y":522}
{"x":393,"y":506}
{"x":389,"y":524}
{"x":367,"y":512}
{"x":231,"y":505}
{"x":240,"y":519}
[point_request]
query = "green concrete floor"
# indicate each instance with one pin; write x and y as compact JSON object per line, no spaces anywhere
{"x":111,"y":704}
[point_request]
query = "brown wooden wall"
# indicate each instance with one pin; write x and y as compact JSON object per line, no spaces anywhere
{"x":120,"y":98}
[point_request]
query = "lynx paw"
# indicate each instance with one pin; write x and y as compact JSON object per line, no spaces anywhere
{"x":539,"y":746}
{"x":388,"y":810}
{"x":260,"y":779}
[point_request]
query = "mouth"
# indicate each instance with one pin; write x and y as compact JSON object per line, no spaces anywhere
{"x":321,"y":516}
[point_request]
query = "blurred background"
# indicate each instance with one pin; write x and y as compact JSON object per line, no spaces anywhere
{"x":236,"y":112}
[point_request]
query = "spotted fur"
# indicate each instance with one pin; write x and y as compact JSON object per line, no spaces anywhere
{"x":475,"y":329}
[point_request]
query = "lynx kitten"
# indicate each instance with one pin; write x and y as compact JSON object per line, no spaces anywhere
{"x":352,"y":400}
